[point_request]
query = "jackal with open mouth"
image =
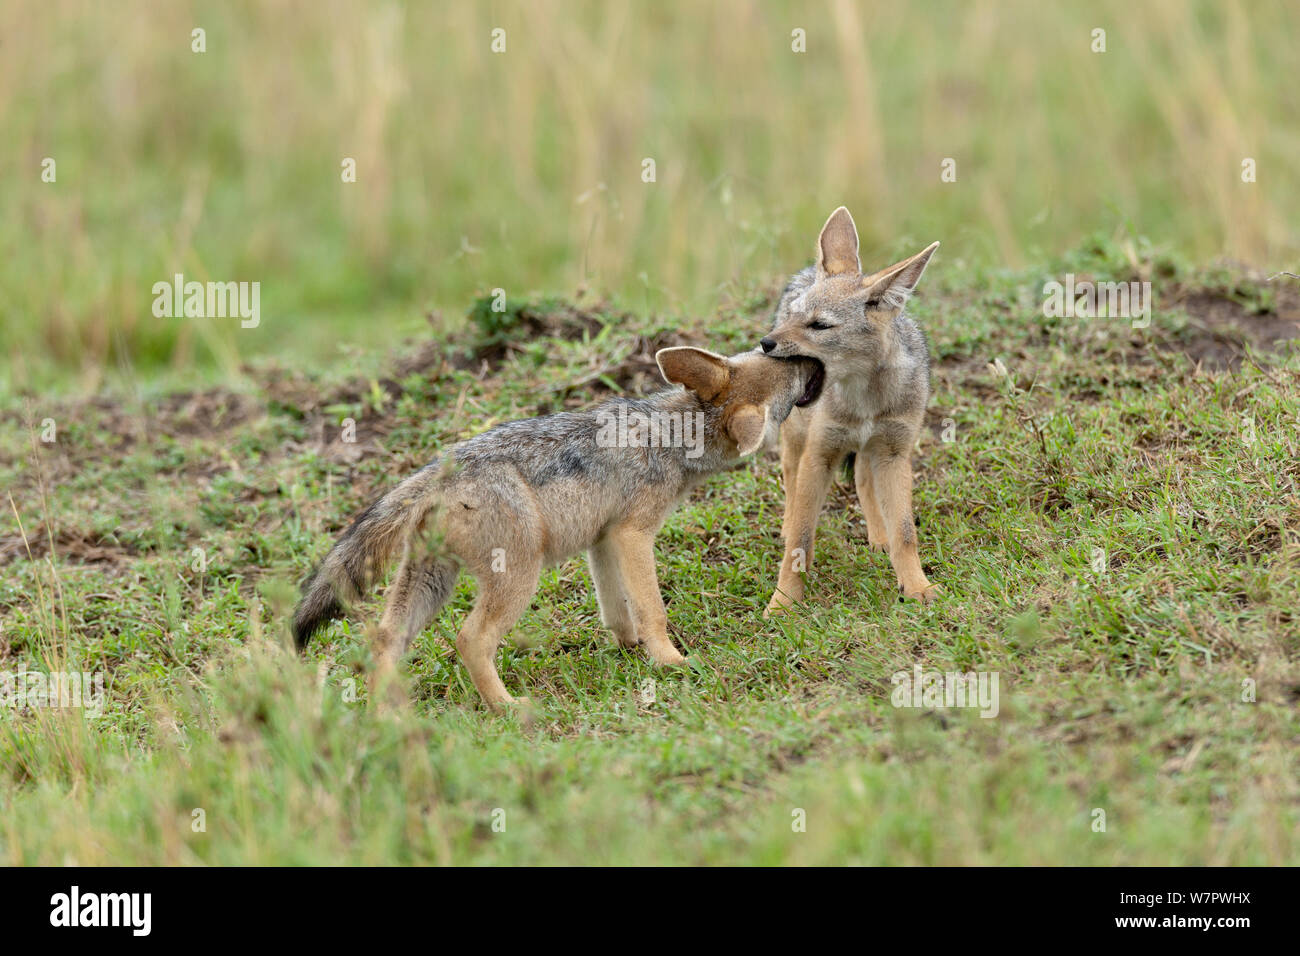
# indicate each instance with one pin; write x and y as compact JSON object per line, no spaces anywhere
{"x":877,"y":382}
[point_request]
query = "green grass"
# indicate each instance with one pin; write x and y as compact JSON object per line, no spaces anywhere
{"x":1121,"y":690}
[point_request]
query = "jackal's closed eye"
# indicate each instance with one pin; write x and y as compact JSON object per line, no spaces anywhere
{"x":873,"y":303}
{"x":818,"y":326}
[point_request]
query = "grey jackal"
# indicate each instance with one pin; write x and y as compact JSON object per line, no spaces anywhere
{"x":877,"y":384}
{"x":528,"y":494}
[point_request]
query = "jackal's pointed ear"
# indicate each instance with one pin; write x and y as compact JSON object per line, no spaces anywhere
{"x":837,"y":246}
{"x":748,"y":427}
{"x":895,"y":283}
{"x":704,"y":373}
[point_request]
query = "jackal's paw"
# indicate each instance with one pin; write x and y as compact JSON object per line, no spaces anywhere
{"x":780,"y":604}
{"x":525,"y":711}
{"x":626,"y":639}
{"x":926,"y":594}
{"x":523,"y":706}
{"x":388,"y":692}
{"x":667,"y":657}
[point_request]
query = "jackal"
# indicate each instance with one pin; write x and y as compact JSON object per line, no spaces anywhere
{"x":529,"y":494}
{"x":877,"y":370}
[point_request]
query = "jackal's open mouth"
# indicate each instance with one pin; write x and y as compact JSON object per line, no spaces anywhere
{"x":816,"y":379}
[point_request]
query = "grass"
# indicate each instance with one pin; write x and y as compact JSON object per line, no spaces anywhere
{"x":522,"y":170}
{"x":1115,"y":526}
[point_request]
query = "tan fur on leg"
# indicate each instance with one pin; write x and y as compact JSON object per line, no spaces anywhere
{"x":892,"y":475}
{"x":877,"y":536}
{"x":814,"y":482}
{"x":502,"y":600}
{"x":614,"y":611}
{"x":634,"y":548}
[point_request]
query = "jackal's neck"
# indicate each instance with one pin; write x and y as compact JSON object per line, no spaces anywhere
{"x":901,"y":347}
{"x":696,"y":441}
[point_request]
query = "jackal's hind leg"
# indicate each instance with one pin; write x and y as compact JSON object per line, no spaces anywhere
{"x":502,"y":600}
{"x":419,"y":590}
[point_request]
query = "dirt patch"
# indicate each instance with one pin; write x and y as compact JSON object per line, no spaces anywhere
{"x":1226,"y":323}
{"x":554,"y":321}
{"x":293,"y":392}
{"x":186,"y":414}
{"x":202,"y":414}
{"x":70,"y":545}
{"x":637,"y":373}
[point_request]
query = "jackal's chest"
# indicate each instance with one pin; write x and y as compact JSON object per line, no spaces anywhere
{"x":852,"y":412}
{"x":829,"y":427}
{"x":853,"y":409}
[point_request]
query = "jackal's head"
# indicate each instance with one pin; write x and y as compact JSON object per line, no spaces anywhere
{"x":837,"y":315}
{"x":753,"y":392}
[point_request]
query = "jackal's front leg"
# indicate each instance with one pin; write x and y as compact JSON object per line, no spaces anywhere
{"x":615,"y":612}
{"x":892,"y":479}
{"x":791,"y":450}
{"x":803,"y":504}
{"x":635,"y":559}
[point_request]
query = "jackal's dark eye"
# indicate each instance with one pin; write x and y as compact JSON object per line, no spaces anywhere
{"x":818,"y":326}
{"x":873,"y":303}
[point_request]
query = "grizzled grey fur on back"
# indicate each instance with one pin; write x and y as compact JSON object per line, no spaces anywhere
{"x":564,"y":445}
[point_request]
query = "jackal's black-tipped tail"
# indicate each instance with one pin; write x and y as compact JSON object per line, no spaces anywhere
{"x":362,"y":554}
{"x":320,"y":604}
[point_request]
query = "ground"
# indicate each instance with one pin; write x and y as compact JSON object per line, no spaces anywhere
{"x":1111,"y":511}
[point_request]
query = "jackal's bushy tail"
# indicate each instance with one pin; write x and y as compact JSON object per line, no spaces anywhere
{"x":363,"y":553}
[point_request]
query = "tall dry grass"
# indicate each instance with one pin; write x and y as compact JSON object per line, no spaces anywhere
{"x":522,"y":169}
